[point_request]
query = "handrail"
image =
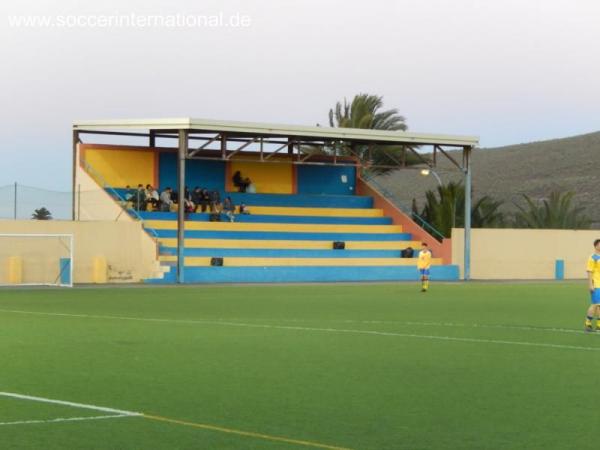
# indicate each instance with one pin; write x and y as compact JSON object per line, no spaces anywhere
{"x":104,"y":184}
{"x":369,"y":178}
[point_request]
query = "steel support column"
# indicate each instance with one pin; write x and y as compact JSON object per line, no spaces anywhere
{"x":73,"y":199}
{"x":467,"y":237}
{"x":181,"y":157}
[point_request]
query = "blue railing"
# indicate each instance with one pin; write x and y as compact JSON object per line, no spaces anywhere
{"x":370,"y":179}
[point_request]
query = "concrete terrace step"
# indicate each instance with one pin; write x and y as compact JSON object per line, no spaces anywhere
{"x":265,"y":218}
{"x":288,"y":244}
{"x":299,"y":262}
{"x":279,"y":235}
{"x":293,"y":200}
{"x":283,"y":253}
{"x":273,"y":227}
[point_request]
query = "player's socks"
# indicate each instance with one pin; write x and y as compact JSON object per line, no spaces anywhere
{"x":426,"y":284}
{"x":588,"y":322}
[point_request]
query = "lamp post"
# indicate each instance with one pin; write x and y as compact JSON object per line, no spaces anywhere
{"x":426,"y":172}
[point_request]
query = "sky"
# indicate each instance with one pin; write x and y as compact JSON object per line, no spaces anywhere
{"x":507,"y":71}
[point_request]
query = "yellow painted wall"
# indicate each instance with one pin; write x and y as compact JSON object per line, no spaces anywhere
{"x":498,"y":254}
{"x":91,"y":201}
{"x":129,"y":252}
{"x":269,"y":178}
{"x":120,"y":168}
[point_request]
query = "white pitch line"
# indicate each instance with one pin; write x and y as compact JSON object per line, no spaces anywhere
{"x":326,"y":330}
{"x":66,"y":419}
{"x":71,"y":404}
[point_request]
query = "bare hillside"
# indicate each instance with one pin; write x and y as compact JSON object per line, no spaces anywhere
{"x":535,"y":169}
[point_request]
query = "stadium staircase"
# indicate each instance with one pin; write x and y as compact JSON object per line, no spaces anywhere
{"x":289,"y":238}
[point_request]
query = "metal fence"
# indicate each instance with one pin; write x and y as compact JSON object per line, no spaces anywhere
{"x":18,"y":202}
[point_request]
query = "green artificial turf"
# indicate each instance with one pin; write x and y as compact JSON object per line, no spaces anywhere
{"x":364,"y":366}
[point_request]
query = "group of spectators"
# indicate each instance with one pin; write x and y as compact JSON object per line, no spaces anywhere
{"x":142,"y":197}
{"x":197,"y":200}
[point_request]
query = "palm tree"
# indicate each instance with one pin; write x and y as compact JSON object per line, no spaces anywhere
{"x":556,"y":212}
{"x":486,"y":213}
{"x":366,"y":112}
{"x":445,"y":209}
{"x":41,"y":214}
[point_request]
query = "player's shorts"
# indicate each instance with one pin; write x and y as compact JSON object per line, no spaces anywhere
{"x":596,"y":297}
{"x":426,"y":272}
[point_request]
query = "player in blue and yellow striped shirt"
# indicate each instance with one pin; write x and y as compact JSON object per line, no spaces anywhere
{"x":593,"y":271}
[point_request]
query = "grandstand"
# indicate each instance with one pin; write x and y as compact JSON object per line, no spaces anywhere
{"x":305,"y":202}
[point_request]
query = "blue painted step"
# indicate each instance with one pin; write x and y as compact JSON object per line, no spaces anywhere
{"x":283,"y":253}
{"x":290,"y":200}
{"x":284,"y":235}
{"x":305,"y":274}
{"x":263,"y":218}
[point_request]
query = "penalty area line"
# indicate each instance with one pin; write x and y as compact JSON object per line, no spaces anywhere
{"x":66,"y":419}
{"x":114,"y":412}
{"x":250,"y":434}
{"x":118,"y":413}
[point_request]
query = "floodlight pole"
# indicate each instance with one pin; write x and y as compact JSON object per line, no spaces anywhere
{"x":181,"y":157}
{"x":467,"y":238}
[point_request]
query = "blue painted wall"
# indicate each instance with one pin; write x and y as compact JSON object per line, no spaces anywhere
{"x":202,"y":173}
{"x":283,"y":274}
{"x":326,"y":180}
{"x":211,"y":174}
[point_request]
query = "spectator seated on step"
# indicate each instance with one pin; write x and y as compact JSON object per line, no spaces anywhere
{"x":139,"y":198}
{"x":188,"y":202}
{"x":203,"y":201}
{"x":196,"y":197}
{"x":229,"y":209}
{"x":152,"y":197}
{"x":166,"y":201}
{"x":215,"y":202}
{"x":240,"y":182}
{"x":188,"y":206}
{"x":244,"y":209}
{"x":129,"y":193}
{"x":251,"y":188}
{"x":408,"y":252}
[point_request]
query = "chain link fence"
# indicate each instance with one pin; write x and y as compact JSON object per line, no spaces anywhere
{"x":18,"y":202}
{"x":22,"y":202}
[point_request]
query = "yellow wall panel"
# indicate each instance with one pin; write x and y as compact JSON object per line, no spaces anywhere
{"x":524,"y":254}
{"x":268,"y":178}
{"x":120,"y":168}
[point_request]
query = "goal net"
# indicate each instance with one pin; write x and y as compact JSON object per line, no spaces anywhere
{"x":36,"y":260}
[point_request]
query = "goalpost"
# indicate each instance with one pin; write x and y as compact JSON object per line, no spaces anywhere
{"x":36,"y":259}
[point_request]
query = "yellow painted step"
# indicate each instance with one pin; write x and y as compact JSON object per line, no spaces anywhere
{"x":289,"y":227}
{"x":329,"y":212}
{"x":324,"y":262}
{"x":289,"y":244}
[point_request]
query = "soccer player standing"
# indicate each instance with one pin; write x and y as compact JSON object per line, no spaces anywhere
{"x":593,"y":270}
{"x":424,"y":264}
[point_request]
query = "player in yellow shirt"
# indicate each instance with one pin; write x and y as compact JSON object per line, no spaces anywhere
{"x":424,"y":264}
{"x":593,"y":271}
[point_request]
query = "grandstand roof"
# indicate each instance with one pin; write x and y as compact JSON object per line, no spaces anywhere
{"x":306,"y":133}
